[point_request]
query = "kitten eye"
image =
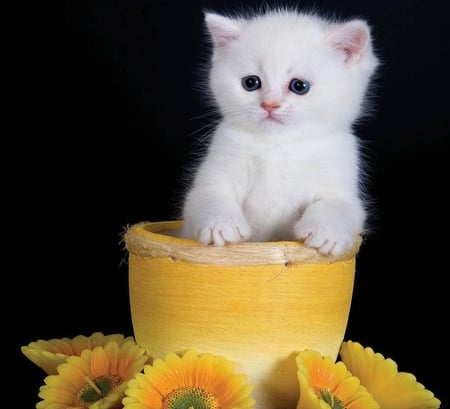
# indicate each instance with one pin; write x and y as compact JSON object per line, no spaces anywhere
{"x":299,"y":87}
{"x":251,"y":82}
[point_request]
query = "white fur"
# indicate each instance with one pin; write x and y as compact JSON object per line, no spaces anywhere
{"x":294,"y":174}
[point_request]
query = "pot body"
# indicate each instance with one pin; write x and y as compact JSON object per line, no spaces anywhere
{"x":257,"y":312}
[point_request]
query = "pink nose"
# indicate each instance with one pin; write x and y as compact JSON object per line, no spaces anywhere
{"x":270,"y":106}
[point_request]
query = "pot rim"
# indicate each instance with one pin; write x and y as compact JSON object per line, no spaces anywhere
{"x":159,"y":239}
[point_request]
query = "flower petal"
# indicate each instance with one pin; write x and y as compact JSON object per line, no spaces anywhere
{"x":323,"y":381}
{"x":390,"y":388}
{"x":97,"y":378}
{"x":189,"y":374}
{"x":49,"y":354}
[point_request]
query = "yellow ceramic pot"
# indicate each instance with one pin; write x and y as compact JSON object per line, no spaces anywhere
{"x":257,"y":304}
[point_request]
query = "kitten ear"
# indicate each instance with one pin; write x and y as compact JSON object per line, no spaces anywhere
{"x":222,"y":29}
{"x":351,"y":38}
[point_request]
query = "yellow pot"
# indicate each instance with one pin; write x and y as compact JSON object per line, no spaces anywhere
{"x":257,"y":304}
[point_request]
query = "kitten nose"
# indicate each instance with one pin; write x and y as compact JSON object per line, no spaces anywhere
{"x":270,"y":106}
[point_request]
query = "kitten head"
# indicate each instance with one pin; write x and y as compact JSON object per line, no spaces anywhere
{"x":287,"y":69}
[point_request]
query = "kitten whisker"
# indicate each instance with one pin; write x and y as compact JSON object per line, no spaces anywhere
{"x":206,"y":114}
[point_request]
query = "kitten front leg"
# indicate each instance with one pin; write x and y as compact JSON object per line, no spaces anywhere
{"x":330,"y":225}
{"x":214,"y":221}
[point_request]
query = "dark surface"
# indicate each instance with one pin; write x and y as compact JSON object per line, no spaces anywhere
{"x":112,"y":117}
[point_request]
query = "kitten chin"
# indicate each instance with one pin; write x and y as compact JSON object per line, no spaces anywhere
{"x":283,"y":163}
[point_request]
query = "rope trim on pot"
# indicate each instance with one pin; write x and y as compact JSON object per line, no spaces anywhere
{"x":158,"y":239}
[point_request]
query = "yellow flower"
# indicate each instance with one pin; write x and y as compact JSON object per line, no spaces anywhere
{"x":325,"y":384}
{"x":191,"y":381}
{"x":390,"y":388}
{"x":96,"y":379}
{"x":49,"y":354}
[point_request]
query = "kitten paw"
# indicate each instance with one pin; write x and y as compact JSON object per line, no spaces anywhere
{"x":326,"y":239}
{"x":221,"y":233}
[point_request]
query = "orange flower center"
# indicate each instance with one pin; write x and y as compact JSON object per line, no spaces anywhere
{"x":190,"y":398}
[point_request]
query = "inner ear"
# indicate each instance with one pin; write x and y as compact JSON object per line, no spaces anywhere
{"x":351,"y":39}
{"x":222,"y":29}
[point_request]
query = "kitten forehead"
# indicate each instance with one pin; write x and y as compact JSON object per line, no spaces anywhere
{"x":286,"y":22}
{"x":288,"y":25}
{"x":271,"y":35}
{"x":279,"y":37}
{"x":278,"y":43}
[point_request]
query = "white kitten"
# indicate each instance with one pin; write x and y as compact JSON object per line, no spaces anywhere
{"x":283,"y":163}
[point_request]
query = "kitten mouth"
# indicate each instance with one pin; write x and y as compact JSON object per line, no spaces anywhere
{"x":272,"y":118}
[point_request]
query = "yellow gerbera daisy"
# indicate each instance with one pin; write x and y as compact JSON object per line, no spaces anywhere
{"x":391,"y":389}
{"x":49,"y":354}
{"x":325,"y":384}
{"x":191,"y":381}
{"x":96,"y":379}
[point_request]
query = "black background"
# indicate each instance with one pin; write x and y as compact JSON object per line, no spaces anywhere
{"x":112,"y":114}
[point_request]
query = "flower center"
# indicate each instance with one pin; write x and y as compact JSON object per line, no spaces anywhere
{"x":96,"y":390}
{"x":190,"y":398}
{"x":333,"y":401}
